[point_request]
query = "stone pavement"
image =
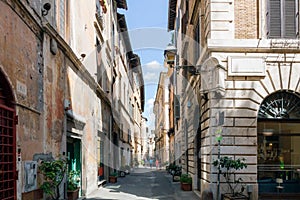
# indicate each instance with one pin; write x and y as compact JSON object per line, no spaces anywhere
{"x":143,"y":184}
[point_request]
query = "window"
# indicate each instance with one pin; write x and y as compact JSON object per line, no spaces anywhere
{"x":197,"y":42}
{"x":61,"y":11}
{"x":282,"y":16}
{"x":121,"y":132}
{"x":129,"y":136}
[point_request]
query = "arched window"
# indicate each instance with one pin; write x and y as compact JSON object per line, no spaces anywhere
{"x":280,"y":105}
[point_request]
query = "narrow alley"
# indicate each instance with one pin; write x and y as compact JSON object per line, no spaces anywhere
{"x":206,"y":90}
{"x":143,"y":184}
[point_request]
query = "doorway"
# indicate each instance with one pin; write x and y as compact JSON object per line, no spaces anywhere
{"x":8,"y":174}
{"x":74,"y":156}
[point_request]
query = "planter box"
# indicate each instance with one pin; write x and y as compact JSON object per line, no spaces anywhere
{"x":112,"y":179}
{"x":230,"y":197}
{"x":186,"y":186}
{"x":35,"y":194}
{"x":73,"y":195}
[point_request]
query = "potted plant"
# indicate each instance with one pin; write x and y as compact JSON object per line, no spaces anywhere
{"x":73,"y":184}
{"x":186,"y":182}
{"x":53,"y":172}
{"x":227,"y":167}
{"x":113,"y":177}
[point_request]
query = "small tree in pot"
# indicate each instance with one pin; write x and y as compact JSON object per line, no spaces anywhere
{"x":53,"y":172}
{"x":227,"y":167}
{"x":73,"y":184}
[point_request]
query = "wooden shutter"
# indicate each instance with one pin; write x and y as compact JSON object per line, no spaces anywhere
{"x":62,"y":17}
{"x":274,"y":14}
{"x":282,"y":18}
{"x":177,"y":107}
{"x":290,"y":19}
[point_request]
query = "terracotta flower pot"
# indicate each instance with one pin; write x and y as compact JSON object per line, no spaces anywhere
{"x":112,"y":179}
{"x":73,"y":195}
{"x":186,"y":186}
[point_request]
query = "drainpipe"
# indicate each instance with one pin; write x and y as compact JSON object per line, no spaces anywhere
{"x":66,"y":107}
{"x":219,"y":170}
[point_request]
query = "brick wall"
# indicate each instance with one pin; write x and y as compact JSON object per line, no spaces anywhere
{"x":245,"y":17}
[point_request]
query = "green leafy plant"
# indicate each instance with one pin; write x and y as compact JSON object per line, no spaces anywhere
{"x":73,"y":180}
{"x":186,"y":178}
{"x":227,"y":167}
{"x":115,"y":174}
{"x":53,"y":172}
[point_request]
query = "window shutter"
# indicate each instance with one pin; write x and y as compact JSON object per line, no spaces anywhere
{"x":290,"y":19}
{"x":268,"y":18}
{"x":274,"y":19}
{"x":177,"y":107}
{"x":62,"y":12}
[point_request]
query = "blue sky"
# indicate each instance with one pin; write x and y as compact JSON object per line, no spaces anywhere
{"x":147,"y":25}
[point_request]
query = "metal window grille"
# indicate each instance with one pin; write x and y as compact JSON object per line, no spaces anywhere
{"x":7,"y":154}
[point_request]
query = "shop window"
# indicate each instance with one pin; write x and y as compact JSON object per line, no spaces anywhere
{"x":278,"y":152}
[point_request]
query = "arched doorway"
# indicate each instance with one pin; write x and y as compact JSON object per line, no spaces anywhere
{"x":278,"y":152}
{"x":8,"y":175}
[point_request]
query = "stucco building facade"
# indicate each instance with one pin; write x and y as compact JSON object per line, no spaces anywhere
{"x":61,"y":68}
{"x":161,"y":112}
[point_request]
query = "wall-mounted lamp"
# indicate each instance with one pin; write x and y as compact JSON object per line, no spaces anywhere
{"x":170,"y":54}
{"x":45,"y":9}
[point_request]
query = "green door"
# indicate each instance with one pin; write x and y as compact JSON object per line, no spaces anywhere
{"x":74,"y":155}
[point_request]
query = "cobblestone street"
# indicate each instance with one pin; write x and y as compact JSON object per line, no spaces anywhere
{"x":144,"y":184}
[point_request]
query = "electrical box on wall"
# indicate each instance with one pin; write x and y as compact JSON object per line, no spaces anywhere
{"x":30,"y":176}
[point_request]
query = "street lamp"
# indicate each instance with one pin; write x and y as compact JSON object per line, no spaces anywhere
{"x":169,"y":54}
{"x":170,"y":59}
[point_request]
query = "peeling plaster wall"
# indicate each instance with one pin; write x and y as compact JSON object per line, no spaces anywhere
{"x":20,"y":60}
{"x":37,"y":79}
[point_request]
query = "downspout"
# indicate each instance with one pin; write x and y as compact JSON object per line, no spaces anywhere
{"x":66,"y":106}
{"x":111,"y":161}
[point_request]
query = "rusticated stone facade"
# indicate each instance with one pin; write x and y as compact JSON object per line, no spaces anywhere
{"x":239,"y":67}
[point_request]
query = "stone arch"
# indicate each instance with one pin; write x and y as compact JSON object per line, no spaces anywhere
{"x":279,"y":77}
{"x":7,"y":140}
{"x":7,"y":96}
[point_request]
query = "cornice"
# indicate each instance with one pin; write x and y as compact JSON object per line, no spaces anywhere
{"x":33,"y":23}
